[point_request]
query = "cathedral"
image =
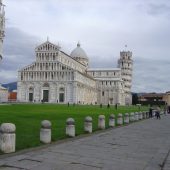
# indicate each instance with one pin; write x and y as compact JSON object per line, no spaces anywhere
{"x":57,"y":77}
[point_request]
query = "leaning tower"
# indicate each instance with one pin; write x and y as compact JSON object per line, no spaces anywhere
{"x":2,"y":27}
{"x":126,"y":64}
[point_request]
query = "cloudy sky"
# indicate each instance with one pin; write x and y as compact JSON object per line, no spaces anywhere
{"x":103,"y":28}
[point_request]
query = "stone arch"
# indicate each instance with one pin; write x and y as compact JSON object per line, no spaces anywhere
{"x":45,"y":92}
{"x":31,"y":94}
{"x":61,"y":95}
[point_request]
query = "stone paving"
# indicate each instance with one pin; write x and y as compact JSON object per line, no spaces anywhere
{"x":144,"y":145}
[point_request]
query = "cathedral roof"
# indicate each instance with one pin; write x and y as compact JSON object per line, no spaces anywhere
{"x":78,"y":52}
{"x":47,"y":46}
{"x":104,"y":69}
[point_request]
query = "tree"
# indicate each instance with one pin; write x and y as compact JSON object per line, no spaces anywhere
{"x":135,"y":98}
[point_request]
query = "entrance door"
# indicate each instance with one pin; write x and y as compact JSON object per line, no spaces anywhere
{"x":111,"y":100}
{"x":31,"y":97}
{"x":45,"y":95}
{"x":61,"y":97}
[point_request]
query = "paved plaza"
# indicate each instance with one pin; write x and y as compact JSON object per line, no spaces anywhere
{"x":144,"y":145}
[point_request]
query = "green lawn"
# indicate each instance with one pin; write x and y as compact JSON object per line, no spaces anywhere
{"x":27,"y":118}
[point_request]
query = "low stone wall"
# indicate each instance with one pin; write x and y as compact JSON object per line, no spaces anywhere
{"x":8,"y":136}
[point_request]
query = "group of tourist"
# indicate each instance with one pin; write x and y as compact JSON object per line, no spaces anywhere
{"x":156,"y":111}
{"x":167,"y":109}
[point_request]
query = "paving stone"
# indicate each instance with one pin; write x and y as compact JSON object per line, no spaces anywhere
{"x":142,"y":145}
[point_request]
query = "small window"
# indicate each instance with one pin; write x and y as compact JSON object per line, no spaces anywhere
{"x":102,"y":93}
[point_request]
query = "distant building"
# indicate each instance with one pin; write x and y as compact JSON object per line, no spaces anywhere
{"x":152,"y":98}
{"x":167,"y":98}
{"x":12,"y":96}
{"x":3,"y":94}
{"x":57,"y":77}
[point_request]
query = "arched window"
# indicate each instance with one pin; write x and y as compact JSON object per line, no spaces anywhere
{"x":31,"y":94}
{"x":61,"y":95}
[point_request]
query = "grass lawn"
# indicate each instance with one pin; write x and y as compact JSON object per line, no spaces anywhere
{"x":28,"y":117}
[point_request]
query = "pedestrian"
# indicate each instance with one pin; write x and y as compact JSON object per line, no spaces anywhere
{"x":116,"y":106}
{"x":150,"y":112}
{"x":100,"y":105}
{"x":108,"y":106}
{"x":168,"y":109}
{"x":165,"y":109}
{"x":158,"y":110}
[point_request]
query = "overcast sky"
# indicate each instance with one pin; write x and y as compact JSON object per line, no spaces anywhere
{"x":103,"y":28}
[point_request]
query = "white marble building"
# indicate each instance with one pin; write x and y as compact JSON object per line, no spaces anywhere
{"x":3,"y":94}
{"x":3,"y":91}
{"x":57,"y":77}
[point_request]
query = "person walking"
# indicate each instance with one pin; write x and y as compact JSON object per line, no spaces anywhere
{"x":168,"y":109}
{"x":165,"y":109}
{"x":150,"y":112}
{"x":158,"y":110}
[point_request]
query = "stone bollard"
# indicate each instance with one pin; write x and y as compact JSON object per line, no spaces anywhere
{"x":112,"y":120}
{"x":101,"y":122}
{"x":147,"y":115}
{"x":144,"y":115}
{"x":140,"y":116}
{"x":88,"y":124}
{"x":136,"y":116}
{"x":126,"y":118}
{"x":45,"y":131}
{"x":7,"y":137}
{"x":132,"y":117}
{"x":70,"y":127}
{"x":120,"y":119}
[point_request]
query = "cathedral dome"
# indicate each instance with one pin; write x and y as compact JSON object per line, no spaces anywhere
{"x":78,"y":52}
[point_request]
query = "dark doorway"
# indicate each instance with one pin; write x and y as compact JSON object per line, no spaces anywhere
{"x":111,"y":100}
{"x":45,"y":95}
{"x":61,"y":97}
{"x":31,"y":97}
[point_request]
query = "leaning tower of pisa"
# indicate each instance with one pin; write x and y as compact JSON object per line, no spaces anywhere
{"x":2,"y":27}
{"x":126,"y":64}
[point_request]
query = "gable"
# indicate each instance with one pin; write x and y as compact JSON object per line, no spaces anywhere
{"x":47,"y":46}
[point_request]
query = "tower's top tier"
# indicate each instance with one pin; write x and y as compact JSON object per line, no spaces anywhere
{"x":126,"y":55}
{"x":2,"y":26}
{"x":2,"y":11}
{"x":2,"y":20}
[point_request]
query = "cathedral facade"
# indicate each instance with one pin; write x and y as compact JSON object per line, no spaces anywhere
{"x":57,"y":77}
